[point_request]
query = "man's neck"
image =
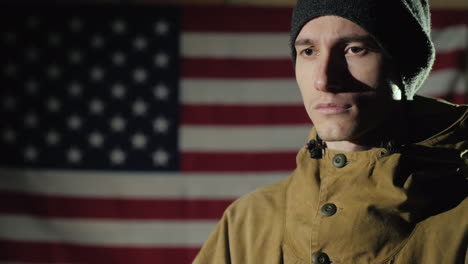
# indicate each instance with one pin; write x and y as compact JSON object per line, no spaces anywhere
{"x":346,"y":146}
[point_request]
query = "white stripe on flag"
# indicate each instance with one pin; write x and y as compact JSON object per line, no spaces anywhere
{"x":285,"y":91}
{"x":276,"y":45}
{"x":232,"y":45}
{"x":135,"y":185}
{"x":443,"y":82}
{"x":243,"y":138}
{"x":105,"y":232}
{"x":245,"y":92}
{"x":450,"y":38}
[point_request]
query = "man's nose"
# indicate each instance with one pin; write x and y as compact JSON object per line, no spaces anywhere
{"x":328,"y":74}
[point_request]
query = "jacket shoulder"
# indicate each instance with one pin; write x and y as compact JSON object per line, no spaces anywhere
{"x":251,"y":229}
{"x":264,"y":200}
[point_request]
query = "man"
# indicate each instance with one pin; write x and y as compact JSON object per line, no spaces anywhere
{"x":383,"y":178}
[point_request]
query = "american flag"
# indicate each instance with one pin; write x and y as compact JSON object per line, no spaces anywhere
{"x":127,"y":130}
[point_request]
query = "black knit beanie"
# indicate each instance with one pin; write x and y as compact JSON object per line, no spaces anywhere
{"x":400,"y":27}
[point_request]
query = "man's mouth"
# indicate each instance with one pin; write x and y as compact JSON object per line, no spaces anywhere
{"x":332,"y":108}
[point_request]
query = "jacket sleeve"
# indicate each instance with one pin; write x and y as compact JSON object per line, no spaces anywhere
{"x":216,"y":249}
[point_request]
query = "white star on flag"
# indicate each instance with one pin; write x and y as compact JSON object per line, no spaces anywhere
{"x":96,"y":139}
{"x":161,"y":92}
{"x":161,"y":27}
{"x":52,"y":138}
{"x":161,"y":125}
{"x":117,"y":156}
{"x":139,"y":141}
{"x":160,"y":157}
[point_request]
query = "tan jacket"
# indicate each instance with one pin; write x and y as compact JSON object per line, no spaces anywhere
{"x":405,"y":207}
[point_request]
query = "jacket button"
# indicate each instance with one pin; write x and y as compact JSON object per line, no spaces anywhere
{"x":321,"y":258}
{"x":328,"y":209}
{"x":339,"y":161}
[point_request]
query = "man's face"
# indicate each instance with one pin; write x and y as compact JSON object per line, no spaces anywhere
{"x":340,"y":73}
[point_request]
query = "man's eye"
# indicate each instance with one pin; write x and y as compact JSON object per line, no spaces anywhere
{"x":356,"y":50}
{"x":308,"y":52}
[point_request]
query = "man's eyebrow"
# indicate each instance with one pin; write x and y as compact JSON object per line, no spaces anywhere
{"x":357,"y":38}
{"x":303,"y":42}
{"x":345,"y":39}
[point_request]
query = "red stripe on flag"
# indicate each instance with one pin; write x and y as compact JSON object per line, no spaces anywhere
{"x":236,"y":68}
{"x":244,"y":115}
{"x":219,"y":19}
{"x":236,"y":19}
{"x":102,"y":208}
{"x":263,"y":115}
{"x":278,"y":68}
{"x":448,"y":17}
{"x":454,"y":59}
{"x":232,"y":162}
{"x":46,"y":252}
